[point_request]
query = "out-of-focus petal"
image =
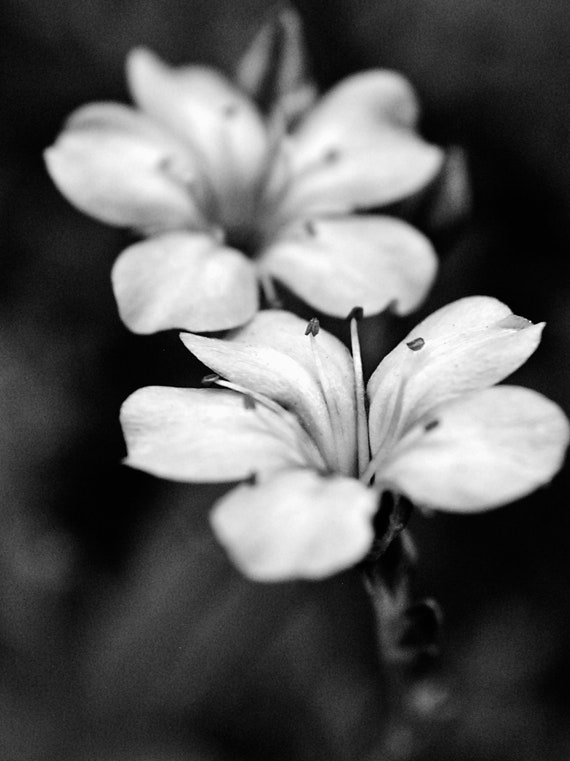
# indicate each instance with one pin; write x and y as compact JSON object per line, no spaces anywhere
{"x":357,"y":107}
{"x":272,"y":355}
{"x":362,"y":173}
{"x":275,"y":71}
{"x":467,"y":345}
{"x":203,"y":435}
{"x":116,"y":165}
{"x":220,"y":123}
{"x":480,"y":451}
{"x":296,"y":525}
{"x":184,"y":280}
{"x":338,"y":263}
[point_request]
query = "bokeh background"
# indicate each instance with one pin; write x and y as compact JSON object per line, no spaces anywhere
{"x":124,"y":633}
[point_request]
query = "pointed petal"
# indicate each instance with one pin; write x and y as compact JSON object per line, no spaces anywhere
{"x":487,"y":449}
{"x":297,"y":525}
{"x":359,"y":174}
{"x":116,"y":165}
{"x":204,"y":108}
{"x":369,"y":261}
{"x":274,"y":70}
{"x":273,"y":356}
{"x":202,"y":435}
{"x":470,"y":344}
{"x":184,"y":280}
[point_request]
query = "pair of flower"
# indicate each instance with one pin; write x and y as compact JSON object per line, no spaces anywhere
{"x":230,"y":199}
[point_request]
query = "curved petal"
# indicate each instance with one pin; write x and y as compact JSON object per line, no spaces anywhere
{"x":468,"y":345}
{"x":297,"y":525}
{"x":362,"y":174}
{"x":220,"y":123}
{"x":116,"y":165}
{"x":311,"y":376}
{"x":481,"y":451}
{"x":184,"y":280}
{"x":369,"y":261}
{"x":358,"y":106}
{"x":202,"y":435}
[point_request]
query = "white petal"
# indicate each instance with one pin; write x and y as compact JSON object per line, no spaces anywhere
{"x":273,"y":356}
{"x":204,"y":108}
{"x":369,"y":261}
{"x":468,"y":345}
{"x":297,"y":525}
{"x":357,"y":107}
{"x":184,"y":280}
{"x":201,"y":435}
{"x":487,"y":449}
{"x":362,"y":174}
{"x":117,"y":166}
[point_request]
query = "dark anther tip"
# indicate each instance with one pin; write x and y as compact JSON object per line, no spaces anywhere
{"x":313,"y":327}
{"x":416,"y":344}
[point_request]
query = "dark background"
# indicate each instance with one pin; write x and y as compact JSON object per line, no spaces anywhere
{"x":124,"y":632}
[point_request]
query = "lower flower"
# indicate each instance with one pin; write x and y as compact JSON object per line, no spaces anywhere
{"x":290,"y":417}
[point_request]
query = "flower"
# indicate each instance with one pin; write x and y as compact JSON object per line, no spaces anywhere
{"x":229,"y":199}
{"x":291,"y":413}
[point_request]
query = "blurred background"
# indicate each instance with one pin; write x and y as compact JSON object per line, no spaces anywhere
{"x":124,"y":633}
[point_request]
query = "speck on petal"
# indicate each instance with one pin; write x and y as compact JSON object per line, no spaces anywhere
{"x":296,"y":525}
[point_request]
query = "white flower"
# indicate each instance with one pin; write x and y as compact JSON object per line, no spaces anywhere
{"x":229,"y":199}
{"x":291,"y":412}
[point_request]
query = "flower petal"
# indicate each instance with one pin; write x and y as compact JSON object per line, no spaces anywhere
{"x":481,"y":451}
{"x":357,"y":106}
{"x":296,"y":525}
{"x":116,"y":165}
{"x":202,"y":435}
{"x":468,"y":345}
{"x":369,"y":261}
{"x":184,"y":280}
{"x":272,"y":355}
{"x":219,"y":122}
{"x":360,"y":174}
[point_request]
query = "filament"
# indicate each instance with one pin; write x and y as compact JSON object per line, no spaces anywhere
{"x":361,"y":421}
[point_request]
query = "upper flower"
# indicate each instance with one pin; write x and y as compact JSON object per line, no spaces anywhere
{"x":229,"y":198}
{"x":292,"y":413}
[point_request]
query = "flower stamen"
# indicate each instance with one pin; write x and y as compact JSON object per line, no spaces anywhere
{"x":312,"y":331}
{"x":361,"y":422}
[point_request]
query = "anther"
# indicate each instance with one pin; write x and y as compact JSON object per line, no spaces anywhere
{"x":310,"y":228}
{"x":331,"y":155}
{"x":356,"y":313}
{"x":251,"y":480}
{"x":431,"y":425}
{"x":416,"y":344}
{"x":313,"y":327}
{"x":210,"y":379}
